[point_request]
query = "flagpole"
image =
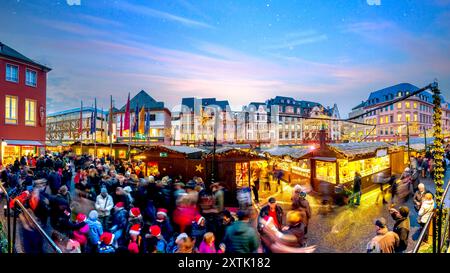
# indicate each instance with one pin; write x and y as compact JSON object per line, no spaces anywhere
{"x":110,"y":127}
{"x":81,"y":126}
{"x":95,"y":128}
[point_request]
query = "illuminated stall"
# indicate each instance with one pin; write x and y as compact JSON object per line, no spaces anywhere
{"x":12,"y":149}
{"x":337,"y":163}
{"x":293,"y":162}
{"x":173,"y":161}
{"x":119,"y":150}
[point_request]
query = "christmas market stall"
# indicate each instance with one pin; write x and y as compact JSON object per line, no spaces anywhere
{"x":293,"y":163}
{"x":236,"y":168}
{"x":336,"y":164}
{"x":173,"y":161}
{"x":119,"y":150}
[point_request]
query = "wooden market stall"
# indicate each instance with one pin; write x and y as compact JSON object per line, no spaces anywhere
{"x":119,"y":150}
{"x":337,"y":163}
{"x":293,"y":162}
{"x":173,"y":161}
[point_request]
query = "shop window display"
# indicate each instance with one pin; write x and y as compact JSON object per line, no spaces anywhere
{"x":365,"y":167}
{"x":326,"y":171}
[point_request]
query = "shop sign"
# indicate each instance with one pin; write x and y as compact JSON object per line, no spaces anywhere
{"x":381,"y":152}
{"x":163,"y":154}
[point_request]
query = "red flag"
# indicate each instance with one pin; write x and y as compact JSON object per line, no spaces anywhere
{"x":80,"y":128}
{"x":126,"y":125}
{"x":121,"y":124}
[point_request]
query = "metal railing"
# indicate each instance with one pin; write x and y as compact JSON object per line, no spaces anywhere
{"x":35,"y":223}
{"x":7,"y":215}
{"x":436,"y":219}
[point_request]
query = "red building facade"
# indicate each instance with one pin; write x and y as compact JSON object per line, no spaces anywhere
{"x":23,"y":85}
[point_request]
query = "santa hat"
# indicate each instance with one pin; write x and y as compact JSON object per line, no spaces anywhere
{"x":155,"y":230}
{"x":198,"y":219}
{"x":135,"y":229}
{"x":107,"y":238}
{"x":81,"y":217}
{"x":162,"y":212}
{"x":120,"y":205}
{"x":135,"y":212}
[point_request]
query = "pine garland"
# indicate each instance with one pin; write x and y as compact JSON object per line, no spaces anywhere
{"x":438,"y":149}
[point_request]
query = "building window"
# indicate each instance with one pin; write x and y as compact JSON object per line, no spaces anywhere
{"x":12,"y":73}
{"x":387,"y":119}
{"x":31,"y":78}
{"x":399,"y":105}
{"x":407,"y":105}
{"x":392,"y":118}
{"x":392,"y":107}
{"x":11,"y":110}
{"x":415,"y":117}
{"x":415,"y":105}
{"x":30,"y":112}
{"x":408,"y":117}
{"x":399,"y":117}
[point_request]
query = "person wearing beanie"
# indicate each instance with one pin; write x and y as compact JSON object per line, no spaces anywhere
{"x":134,"y":245}
{"x":198,"y":229}
{"x":402,"y":226}
{"x":95,"y":231}
{"x":154,"y":241}
{"x":106,"y":243}
{"x":119,"y":224}
{"x":385,"y":241}
{"x":104,"y":204}
{"x":135,"y":217}
{"x":164,"y":223}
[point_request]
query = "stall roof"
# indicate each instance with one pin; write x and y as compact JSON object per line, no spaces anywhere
{"x":296,"y":153}
{"x":357,"y":149}
{"x":417,"y":143}
{"x":184,"y":149}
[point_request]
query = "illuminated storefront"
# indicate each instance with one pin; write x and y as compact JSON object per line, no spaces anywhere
{"x":12,"y":149}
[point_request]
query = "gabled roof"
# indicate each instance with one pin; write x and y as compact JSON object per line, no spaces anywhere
{"x":9,"y":52}
{"x":143,"y":99}
{"x":362,"y":104}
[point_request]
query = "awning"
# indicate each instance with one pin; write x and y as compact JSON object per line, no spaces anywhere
{"x":23,"y":142}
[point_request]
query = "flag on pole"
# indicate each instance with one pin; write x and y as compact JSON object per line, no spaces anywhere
{"x":94,"y":118}
{"x":110,"y":119}
{"x":126,"y":125}
{"x":147,"y":123}
{"x":121,"y":125}
{"x":80,"y":127}
{"x":136,"y":119}
{"x":142,"y":120}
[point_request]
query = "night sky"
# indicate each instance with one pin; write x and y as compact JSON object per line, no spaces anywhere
{"x":243,"y":51}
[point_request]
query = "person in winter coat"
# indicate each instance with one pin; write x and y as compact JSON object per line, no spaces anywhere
{"x":226,"y":220}
{"x":54,"y":182}
{"x":119,"y":224}
{"x":356,"y":196}
{"x":103,"y":205}
{"x":198,"y":229}
{"x":273,"y":210}
{"x":419,"y":196}
{"x":154,"y":241}
{"x":401,"y":227}
{"x":135,"y":243}
{"x":135,"y":217}
{"x":425,"y":212}
{"x":106,"y":243}
{"x":66,"y":225}
{"x":207,"y":245}
{"x":81,"y":234}
{"x":241,"y":237}
{"x":385,"y":241}
{"x":300,"y":203}
{"x":164,"y":224}
{"x":296,"y":228}
{"x":64,"y":193}
{"x":95,"y":231}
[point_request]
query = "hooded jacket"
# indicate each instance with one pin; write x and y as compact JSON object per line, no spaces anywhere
{"x":426,"y":210}
{"x":240,"y":237}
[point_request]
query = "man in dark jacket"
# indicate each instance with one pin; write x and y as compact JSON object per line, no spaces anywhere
{"x":273,"y":210}
{"x":54,"y":181}
{"x":401,"y":226}
{"x":356,"y":190}
{"x":241,"y":237}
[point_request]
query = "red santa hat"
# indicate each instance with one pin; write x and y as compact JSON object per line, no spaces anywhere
{"x":162,"y":212}
{"x":198,"y":219}
{"x":120,"y":205}
{"x":81,"y":217}
{"x":135,"y":229}
{"x":155,"y":230}
{"x":135,"y":212}
{"x":107,"y":238}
